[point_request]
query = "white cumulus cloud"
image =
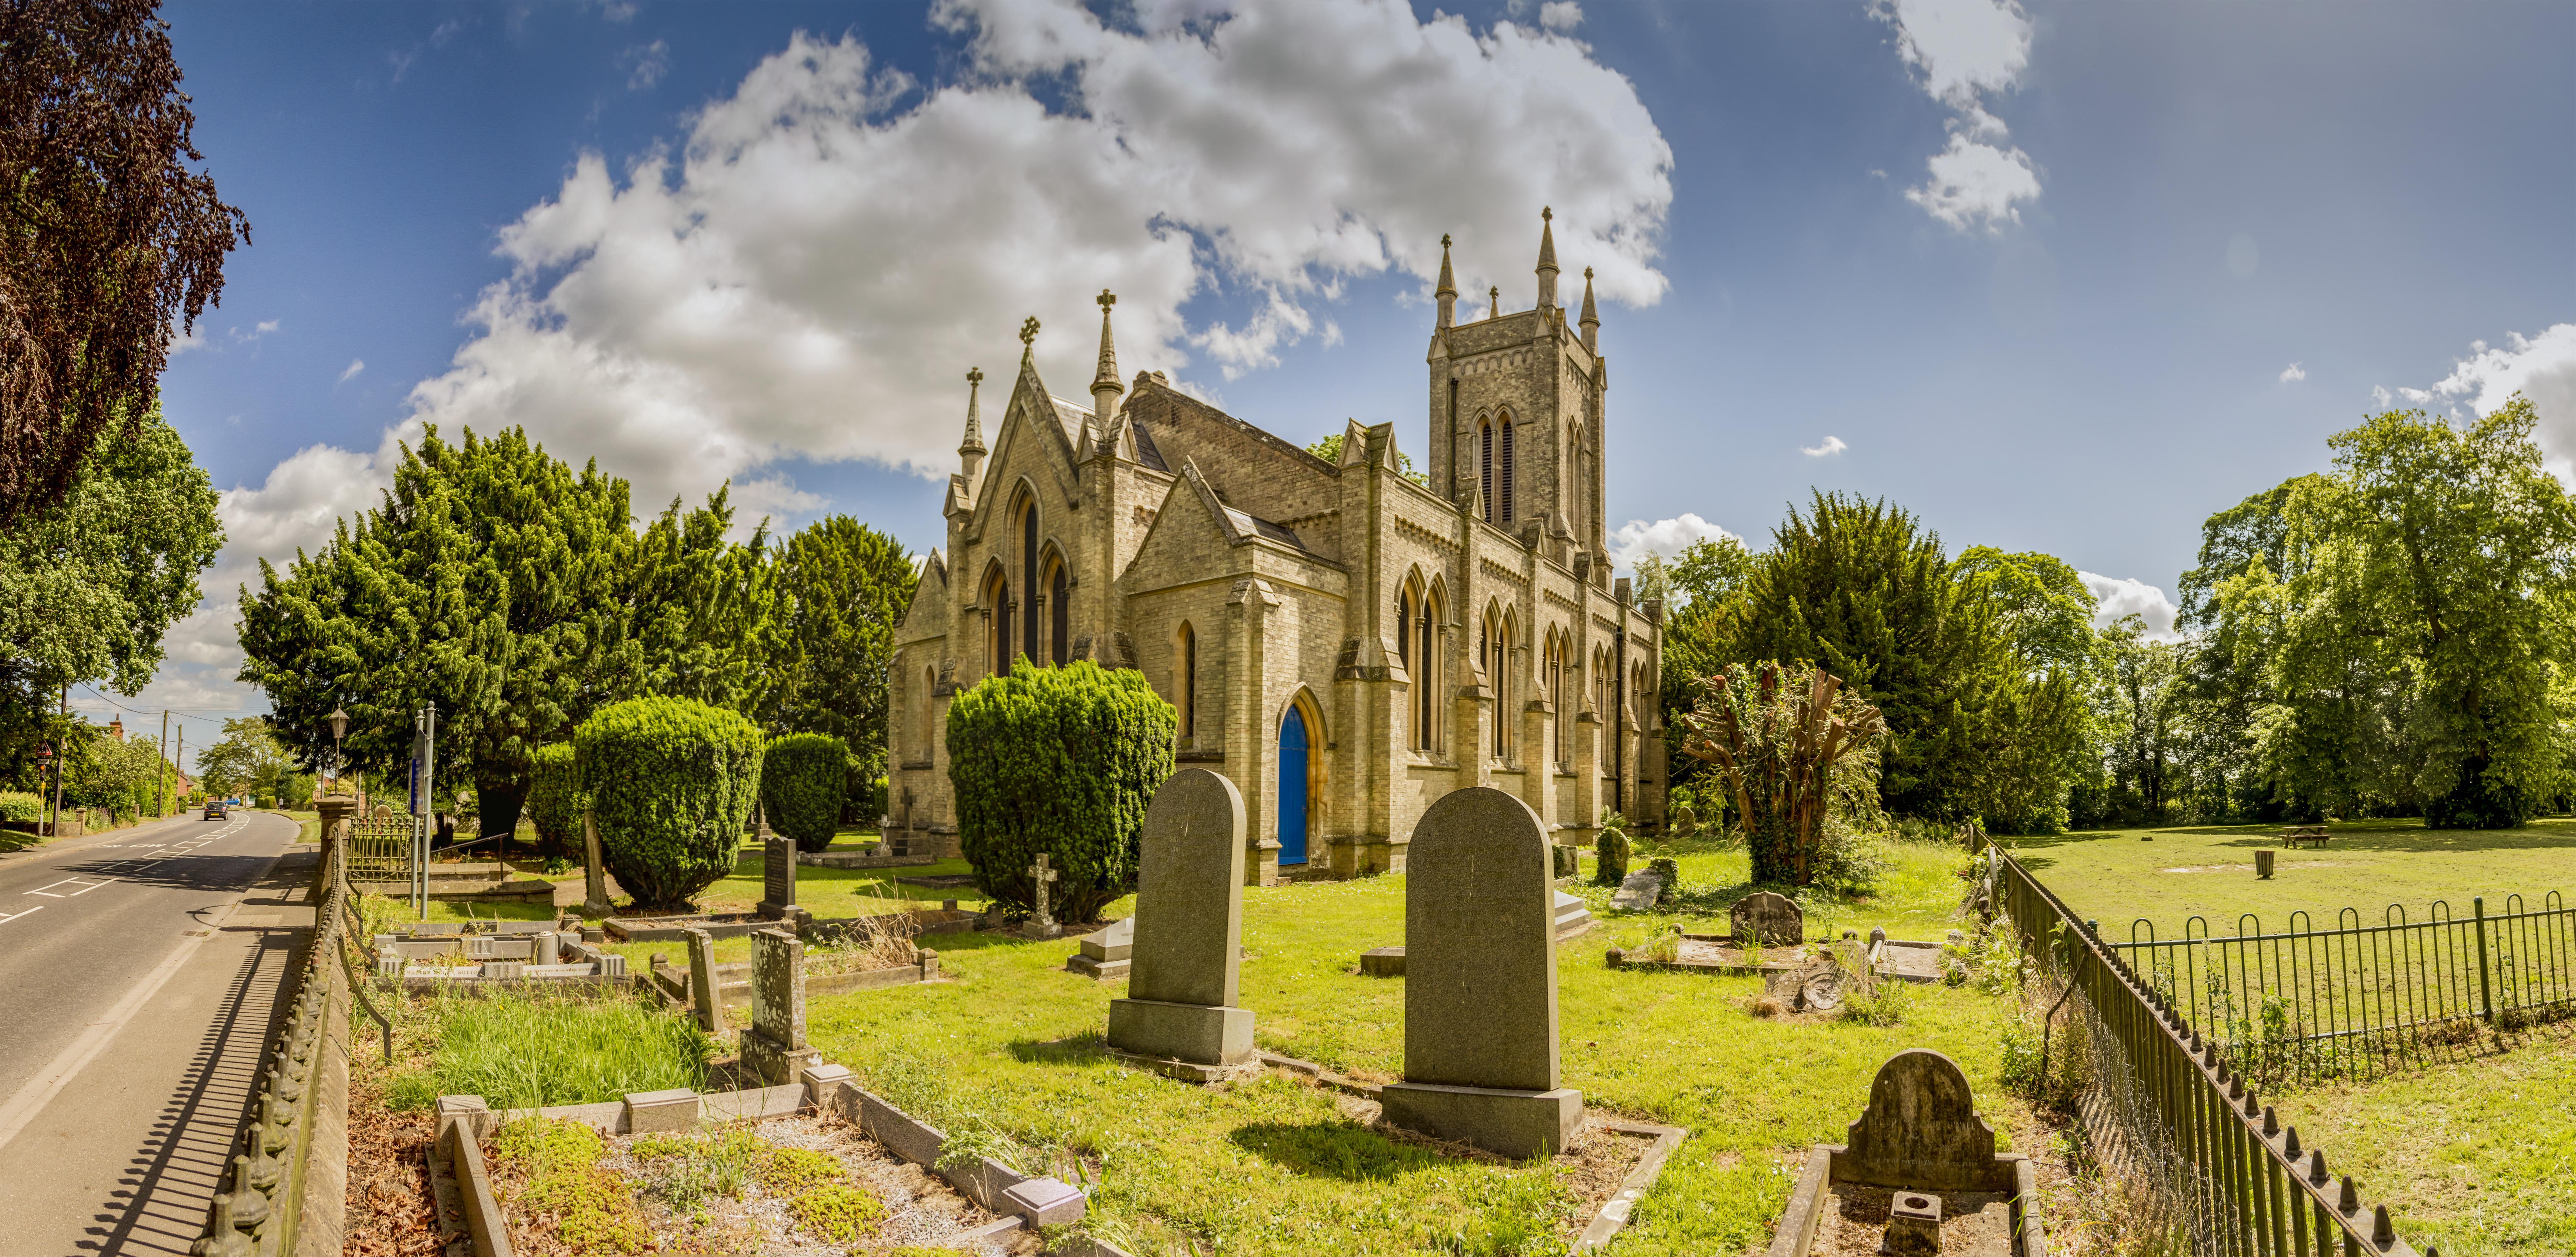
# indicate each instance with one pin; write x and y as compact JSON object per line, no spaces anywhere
{"x":2293,"y":373}
{"x":1560,"y":15}
{"x":1964,"y":50}
{"x":355,"y":366}
{"x":1826,"y":448}
{"x":1664,"y":538}
{"x":811,"y":269}
{"x":2542,"y":368}
{"x":2114,"y":597}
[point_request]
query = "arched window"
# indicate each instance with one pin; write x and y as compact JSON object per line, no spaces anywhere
{"x":1556,"y":692}
{"x":1185,"y":680}
{"x":1404,"y":655}
{"x":1485,"y":468}
{"x":1029,"y":575}
{"x":1496,"y":650}
{"x":929,"y":726}
{"x":1428,"y":678}
{"x":1505,"y":487}
{"x":1601,"y":686}
{"x":1059,"y":610}
{"x":1639,"y":695}
{"x":998,"y":607}
{"x":1573,"y":496}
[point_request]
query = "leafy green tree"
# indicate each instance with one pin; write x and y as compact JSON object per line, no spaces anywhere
{"x":555,"y":800}
{"x":1059,"y":760}
{"x":90,"y":585}
{"x":845,"y":586}
{"x":802,"y":777}
{"x":247,"y":760}
{"x":2140,"y":715}
{"x":492,"y":580}
{"x":1795,"y":750}
{"x":671,"y":783}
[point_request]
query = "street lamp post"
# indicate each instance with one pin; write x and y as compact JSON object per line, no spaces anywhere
{"x":45,"y":769}
{"x":339,"y":726}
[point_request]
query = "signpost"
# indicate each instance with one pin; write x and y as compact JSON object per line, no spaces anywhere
{"x":424,"y":746}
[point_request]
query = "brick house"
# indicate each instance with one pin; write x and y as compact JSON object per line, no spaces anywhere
{"x":1343,"y":642}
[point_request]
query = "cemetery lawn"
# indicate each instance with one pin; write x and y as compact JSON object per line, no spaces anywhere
{"x":2208,"y":871}
{"x":2474,"y":1157}
{"x":1011,"y":1052}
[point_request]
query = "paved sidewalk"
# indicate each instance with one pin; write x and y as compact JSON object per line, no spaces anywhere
{"x":147,"y":974}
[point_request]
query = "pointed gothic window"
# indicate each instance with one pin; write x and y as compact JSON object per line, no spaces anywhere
{"x":1485,"y":469}
{"x":1505,"y":479}
{"x":1060,"y":613}
{"x":1185,"y":681}
{"x":1029,"y":576}
{"x":997,"y":601}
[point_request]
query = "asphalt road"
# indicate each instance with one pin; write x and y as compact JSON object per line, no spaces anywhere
{"x":140,"y":974}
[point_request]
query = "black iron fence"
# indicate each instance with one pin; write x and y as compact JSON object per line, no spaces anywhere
{"x":2357,"y":1000}
{"x":2227,"y":1178}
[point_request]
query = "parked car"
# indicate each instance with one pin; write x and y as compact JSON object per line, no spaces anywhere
{"x":214,"y":809}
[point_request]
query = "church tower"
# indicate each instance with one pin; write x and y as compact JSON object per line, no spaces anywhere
{"x":1516,"y":410}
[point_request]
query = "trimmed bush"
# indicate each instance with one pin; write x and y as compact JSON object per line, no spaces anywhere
{"x":801,"y":778}
{"x":1059,"y":760}
{"x":671,"y":784}
{"x":555,"y":800}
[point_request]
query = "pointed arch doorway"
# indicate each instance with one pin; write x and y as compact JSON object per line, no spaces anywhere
{"x":1295,"y":757}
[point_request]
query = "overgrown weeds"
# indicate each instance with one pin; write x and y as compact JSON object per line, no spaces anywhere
{"x":556,"y":1164}
{"x":529,"y":1050}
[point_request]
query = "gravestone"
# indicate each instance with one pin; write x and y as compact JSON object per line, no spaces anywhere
{"x":778,"y":876}
{"x":1921,"y":1132}
{"x":1382,"y":962}
{"x":1772,"y":920}
{"x":594,"y":874}
{"x":774,"y":1047}
{"x":1480,"y":1061}
{"x":1639,"y":892}
{"x":1179,"y":1015}
{"x":1042,"y":922}
{"x":1105,"y":953}
{"x":702,"y":980}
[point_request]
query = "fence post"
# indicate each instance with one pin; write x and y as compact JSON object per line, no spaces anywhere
{"x":2486,"y":992}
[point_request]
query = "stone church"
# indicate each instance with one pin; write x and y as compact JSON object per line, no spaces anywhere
{"x":1344,"y":641}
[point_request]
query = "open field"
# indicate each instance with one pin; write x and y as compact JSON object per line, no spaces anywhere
{"x":2208,"y":871}
{"x":1012,"y":1049}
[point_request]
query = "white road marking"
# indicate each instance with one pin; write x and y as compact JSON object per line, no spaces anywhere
{"x":4,"y":920}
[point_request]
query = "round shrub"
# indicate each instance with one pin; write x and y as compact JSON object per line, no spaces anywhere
{"x":671,"y":784}
{"x":1611,"y":851}
{"x":1059,"y":760}
{"x":555,"y":800}
{"x":801,"y":779}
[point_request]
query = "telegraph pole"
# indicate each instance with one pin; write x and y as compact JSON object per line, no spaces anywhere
{"x":162,"y":779}
{"x":62,"y":751}
{"x":179,"y":760}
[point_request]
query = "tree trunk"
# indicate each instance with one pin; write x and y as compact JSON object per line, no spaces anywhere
{"x":497,"y":803}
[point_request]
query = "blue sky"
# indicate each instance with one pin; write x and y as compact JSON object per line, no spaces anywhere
{"x":2063,"y":278}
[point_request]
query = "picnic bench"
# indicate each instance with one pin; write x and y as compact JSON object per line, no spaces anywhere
{"x":2293,"y":835}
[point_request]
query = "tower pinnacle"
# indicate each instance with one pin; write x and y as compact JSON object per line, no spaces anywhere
{"x":1591,"y":317}
{"x":970,"y":452}
{"x":1546,"y":258}
{"x":1494,"y":302}
{"x":1105,"y":387}
{"x":1447,"y":293}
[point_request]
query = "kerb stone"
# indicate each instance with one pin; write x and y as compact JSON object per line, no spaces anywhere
{"x":1183,"y":971}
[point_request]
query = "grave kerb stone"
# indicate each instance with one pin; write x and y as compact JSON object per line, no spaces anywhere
{"x":1183,"y":973}
{"x":1480,"y":1046}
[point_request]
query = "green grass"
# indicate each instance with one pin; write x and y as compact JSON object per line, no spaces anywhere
{"x":532,"y":1051}
{"x":1010,"y":1056}
{"x":826,"y":892}
{"x":2475,"y":1157}
{"x":2208,"y":871}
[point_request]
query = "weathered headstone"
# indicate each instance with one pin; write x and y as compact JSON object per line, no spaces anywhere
{"x":1382,"y":962}
{"x":702,"y":980}
{"x":1639,"y":891}
{"x":1105,"y":953}
{"x":1184,"y":970}
{"x":1921,"y":1132}
{"x":774,"y":1047}
{"x":594,"y":874}
{"x":778,"y":876}
{"x":1480,"y":1062}
{"x":1772,"y":920}
{"x":1042,"y":922}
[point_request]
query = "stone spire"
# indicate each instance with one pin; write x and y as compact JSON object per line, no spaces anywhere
{"x":1546,"y":258}
{"x":970,"y":452}
{"x":1591,"y":316}
{"x":1105,"y":387}
{"x":1494,"y":302}
{"x":1447,"y":293}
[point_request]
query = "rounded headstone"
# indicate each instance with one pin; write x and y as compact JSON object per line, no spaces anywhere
{"x":1480,"y":952}
{"x":1189,"y":893}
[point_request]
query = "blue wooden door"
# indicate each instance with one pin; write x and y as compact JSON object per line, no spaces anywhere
{"x":1292,"y":788}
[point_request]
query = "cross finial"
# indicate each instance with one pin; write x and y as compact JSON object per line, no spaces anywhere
{"x":1545,"y":213}
{"x":1494,"y":302}
{"x":1029,"y":331}
{"x":974,"y":375}
{"x":1587,"y":272}
{"x":1107,"y":298}
{"x":1444,"y":240}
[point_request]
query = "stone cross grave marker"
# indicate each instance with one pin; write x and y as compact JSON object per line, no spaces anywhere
{"x":702,"y":980}
{"x":778,"y":875}
{"x":1043,"y":925}
{"x":1183,"y":970}
{"x":774,"y":1047}
{"x":1921,"y":1132}
{"x":1772,"y":920}
{"x":1480,"y":1061}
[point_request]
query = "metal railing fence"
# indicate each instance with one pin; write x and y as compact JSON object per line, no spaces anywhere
{"x":2232,"y":1179}
{"x":2358,"y":1001}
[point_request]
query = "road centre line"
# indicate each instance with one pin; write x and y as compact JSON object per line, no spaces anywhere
{"x":9,"y":917}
